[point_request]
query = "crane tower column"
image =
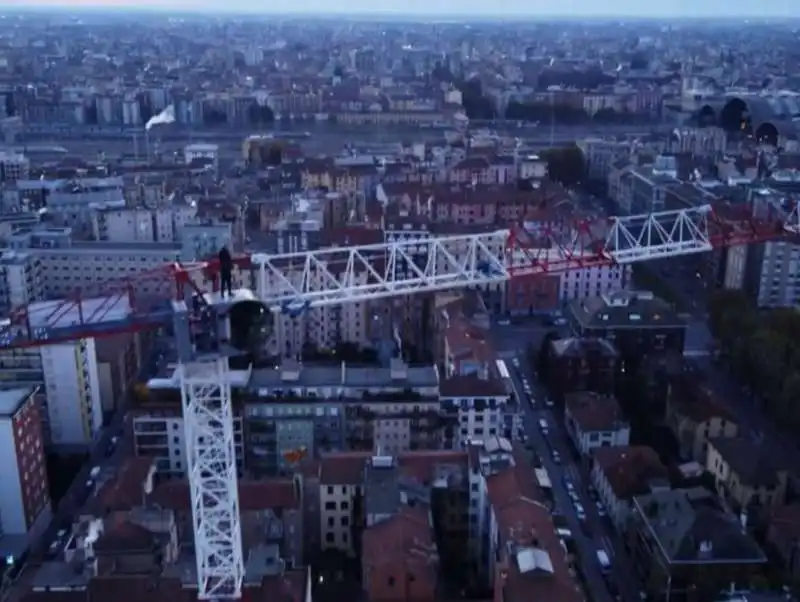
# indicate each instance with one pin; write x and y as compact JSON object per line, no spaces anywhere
{"x":211,"y":466}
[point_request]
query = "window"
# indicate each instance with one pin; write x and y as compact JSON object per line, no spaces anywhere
{"x":330,"y":505}
{"x":329,"y":537}
{"x":345,"y":506}
{"x":345,"y":521}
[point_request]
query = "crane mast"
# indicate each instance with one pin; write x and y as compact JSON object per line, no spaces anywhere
{"x":290,"y":284}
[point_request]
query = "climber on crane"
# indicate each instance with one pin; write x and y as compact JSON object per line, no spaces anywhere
{"x":225,"y":272}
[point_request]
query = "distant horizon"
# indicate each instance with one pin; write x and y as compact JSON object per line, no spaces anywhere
{"x":712,"y":10}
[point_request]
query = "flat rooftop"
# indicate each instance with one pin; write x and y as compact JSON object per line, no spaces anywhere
{"x":11,"y":399}
{"x":267,"y":381}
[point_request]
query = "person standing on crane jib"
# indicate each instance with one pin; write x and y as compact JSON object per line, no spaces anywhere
{"x":225,"y":272}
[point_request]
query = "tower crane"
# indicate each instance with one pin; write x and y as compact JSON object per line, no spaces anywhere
{"x":210,"y":327}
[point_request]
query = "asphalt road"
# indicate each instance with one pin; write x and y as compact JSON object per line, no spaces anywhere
{"x":595,"y":532}
{"x":70,"y":504}
{"x":586,"y":547}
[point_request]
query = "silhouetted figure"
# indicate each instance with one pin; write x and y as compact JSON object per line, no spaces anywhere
{"x":225,"y":272}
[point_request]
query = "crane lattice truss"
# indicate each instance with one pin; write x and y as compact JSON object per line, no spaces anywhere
{"x":292,"y":283}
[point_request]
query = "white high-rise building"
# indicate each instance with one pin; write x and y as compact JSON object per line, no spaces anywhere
{"x":74,"y":408}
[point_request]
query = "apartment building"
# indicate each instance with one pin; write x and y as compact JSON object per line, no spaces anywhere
{"x":319,"y":327}
{"x":134,"y":540}
{"x":571,"y":284}
{"x":359,"y":492}
{"x":303,"y":411}
{"x":25,"y":501}
{"x":144,"y":225}
{"x":480,"y":405}
{"x":578,"y":364}
{"x":771,"y":273}
{"x":519,"y":554}
{"x":696,"y":416}
{"x":635,"y":322}
{"x":595,"y":421}
{"x":593,"y":282}
{"x":621,"y":473}
{"x":746,"y":475}
{"x":156,"y":425}
{"x":67,"y":265}
{"x":74,"y":199}
{"x":13,"y":167}
{"x":21,"y":279}
{"x":320,"y":408}
{"x":72,"y":388}
{"x":685,"y":545}
{"x":645,"y":187}
{"x":601,"y":153}
{"x":203,"y":151}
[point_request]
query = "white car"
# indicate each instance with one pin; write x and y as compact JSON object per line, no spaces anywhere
{"x":580,"y":512}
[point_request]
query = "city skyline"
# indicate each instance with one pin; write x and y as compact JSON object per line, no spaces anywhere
{"x":622,"y":9}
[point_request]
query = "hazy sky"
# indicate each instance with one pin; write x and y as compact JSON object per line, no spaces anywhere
{"x":529,"y":8}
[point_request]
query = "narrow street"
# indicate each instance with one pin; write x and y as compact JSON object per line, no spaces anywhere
{"x":592,"y":533}
{"x":70,"y":504}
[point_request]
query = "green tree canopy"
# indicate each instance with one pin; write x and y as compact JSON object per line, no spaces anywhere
{"x":565,"y":165}
{"x":762,"y":348}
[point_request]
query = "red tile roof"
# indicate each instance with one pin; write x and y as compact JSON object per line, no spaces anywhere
{"x":134,"y":588}
{"x":399,"y":558}
{"x":594,"y":413}
{"x":347,"y":468}
{"x":253,"y":496}
{"x":124,"y":535}
{"x":289,"y":587}
{"x":691,"y":398}
{"x":628,"y":470}
{"x":127,"y":489}
{"x":525,"y":521}
{"x":471,"y":386}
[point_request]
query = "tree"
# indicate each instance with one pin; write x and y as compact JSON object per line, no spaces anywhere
{"x":566,"y":165}
{"x":260,"y":115}
{"x":476,"y":105}
{"x":212,"y":116}
{"x":762,"y":350}
{"x":274,"y":154}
